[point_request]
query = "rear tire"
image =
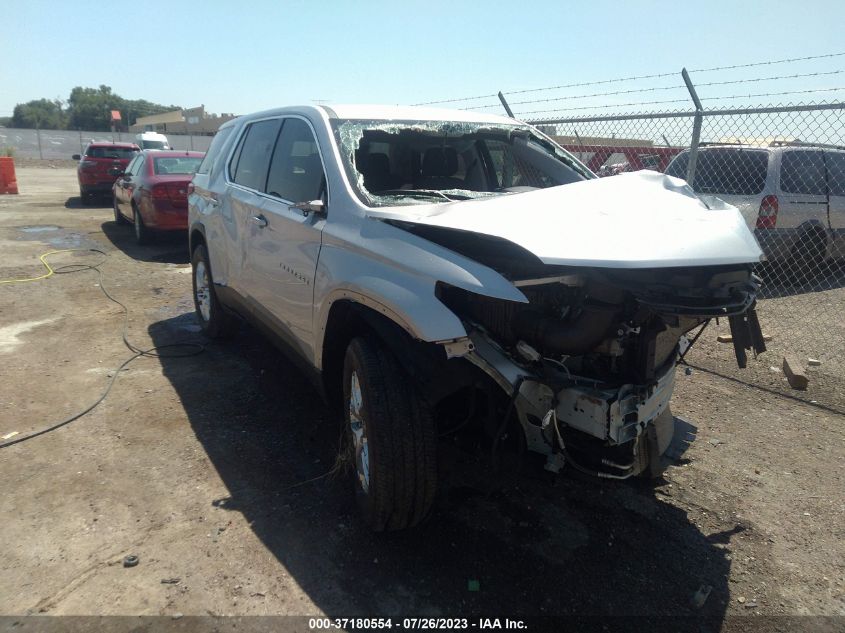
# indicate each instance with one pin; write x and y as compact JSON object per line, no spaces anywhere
{"x":807,"y":257}
{"x":391,"y":436}
{"x":142,"y":233}
{"x":118,"y":216}
{"x":213,"y":318}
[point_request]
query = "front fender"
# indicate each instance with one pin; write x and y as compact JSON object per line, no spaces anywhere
{"x":395,"y":273}
{"x":411,"y":304}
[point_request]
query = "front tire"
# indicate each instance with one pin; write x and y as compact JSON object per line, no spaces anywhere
{"x":391,"y":437}
{"x":213,"y":319}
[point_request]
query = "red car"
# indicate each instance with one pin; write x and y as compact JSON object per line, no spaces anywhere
{"x":100,"y":165}
{"x":153,"y":191}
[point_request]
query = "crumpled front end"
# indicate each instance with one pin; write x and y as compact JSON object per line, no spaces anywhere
{"x":589,"y":362}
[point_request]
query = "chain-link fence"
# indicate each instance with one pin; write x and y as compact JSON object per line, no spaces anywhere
{"x":62,"y":144}
{"x":783,"y":167}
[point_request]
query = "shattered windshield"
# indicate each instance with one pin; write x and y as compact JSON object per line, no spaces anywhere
{"x":393,"y":163}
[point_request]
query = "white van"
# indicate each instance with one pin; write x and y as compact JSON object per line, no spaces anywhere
{"x":792,"y":195}
{"x":152,"y":140}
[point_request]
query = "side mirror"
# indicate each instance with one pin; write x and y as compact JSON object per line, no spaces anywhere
{"x":76,"y":157}
{"x":317,"y":207}
{"x":126,"y":177}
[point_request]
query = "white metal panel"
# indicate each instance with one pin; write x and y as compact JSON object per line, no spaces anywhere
{"x":636,"y":220}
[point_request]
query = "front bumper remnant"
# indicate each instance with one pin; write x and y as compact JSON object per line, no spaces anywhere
{"x":616,"y":415}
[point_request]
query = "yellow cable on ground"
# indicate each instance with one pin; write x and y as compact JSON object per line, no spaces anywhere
{"x":50,"y":271}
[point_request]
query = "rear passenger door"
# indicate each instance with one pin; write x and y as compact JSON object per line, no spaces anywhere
{"x":209,"y":203}
{"x":804,"y":189}
{"x":244,"y":200}
{"x":836,"y":183}
{"x":283,"y":243}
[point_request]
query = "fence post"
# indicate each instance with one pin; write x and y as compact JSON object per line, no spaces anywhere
{"x":696,"y":127}
{"x":38,"y":136}
{"x":580,"y":145}
{"x":506,"y":106}
{"x":192,"y":141}
{"x":81,"y":149}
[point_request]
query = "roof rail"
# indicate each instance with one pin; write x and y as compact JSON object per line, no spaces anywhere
{"x":729,"y":143}
{"x":804,"y":144}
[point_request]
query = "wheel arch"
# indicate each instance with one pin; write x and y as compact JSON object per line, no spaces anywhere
{"x":425,"y":362}
{"x":196,"y":236}
{"x":813,"y":228}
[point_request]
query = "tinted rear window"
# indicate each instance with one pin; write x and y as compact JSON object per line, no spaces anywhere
{"x":735,"y":172}
{"x":110,"y":152}
{"x":802,"y":172}
{"x":153,"y":145}
{"x":176,"y":164}
{"x":213,"y":150}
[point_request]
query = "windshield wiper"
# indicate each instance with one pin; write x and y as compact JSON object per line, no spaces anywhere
{"x":429,"y":193}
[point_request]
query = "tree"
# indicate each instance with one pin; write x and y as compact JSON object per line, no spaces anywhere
{"x":40,"y":113}
{"x":86,"y":109}
{"x":90,"y":108}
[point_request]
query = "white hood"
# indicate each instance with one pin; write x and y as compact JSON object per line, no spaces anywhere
{"x":635,"y":220}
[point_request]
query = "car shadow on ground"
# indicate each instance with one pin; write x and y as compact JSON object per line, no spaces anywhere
{"x":166,"y":247}
{"x":513,"y":544}
{"x":97,"y":202}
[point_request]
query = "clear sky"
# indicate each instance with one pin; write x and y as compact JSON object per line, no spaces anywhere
{"x":250,"y":55}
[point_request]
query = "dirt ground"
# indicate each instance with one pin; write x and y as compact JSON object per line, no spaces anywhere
{"x":192,"y":464}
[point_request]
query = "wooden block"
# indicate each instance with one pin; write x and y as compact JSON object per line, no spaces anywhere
{"x":728,"y":338}
{"x":795,"y":372}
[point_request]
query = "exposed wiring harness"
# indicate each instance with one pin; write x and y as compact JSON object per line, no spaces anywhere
{"x":691,"y":343}
{"x":188,"y":348}
{"x":588,"y":471}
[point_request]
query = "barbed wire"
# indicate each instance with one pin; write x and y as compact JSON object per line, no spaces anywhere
{"x":758,"y":79}
{"x":584,"y":96}
{"x":638,"y":78}
{"x":661,"y":88}
{"x":665,"y":101}
{"x":575,"y":85}
{"x":768,"y":63}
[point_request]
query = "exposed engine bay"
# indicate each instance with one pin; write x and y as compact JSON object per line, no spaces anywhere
{"x":590,"y":361}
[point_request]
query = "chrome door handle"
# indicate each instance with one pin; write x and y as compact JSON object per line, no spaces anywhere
{"x":260,"y":220}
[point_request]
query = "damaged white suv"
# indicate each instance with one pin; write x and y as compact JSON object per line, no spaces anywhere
{"x":444,"y":272}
